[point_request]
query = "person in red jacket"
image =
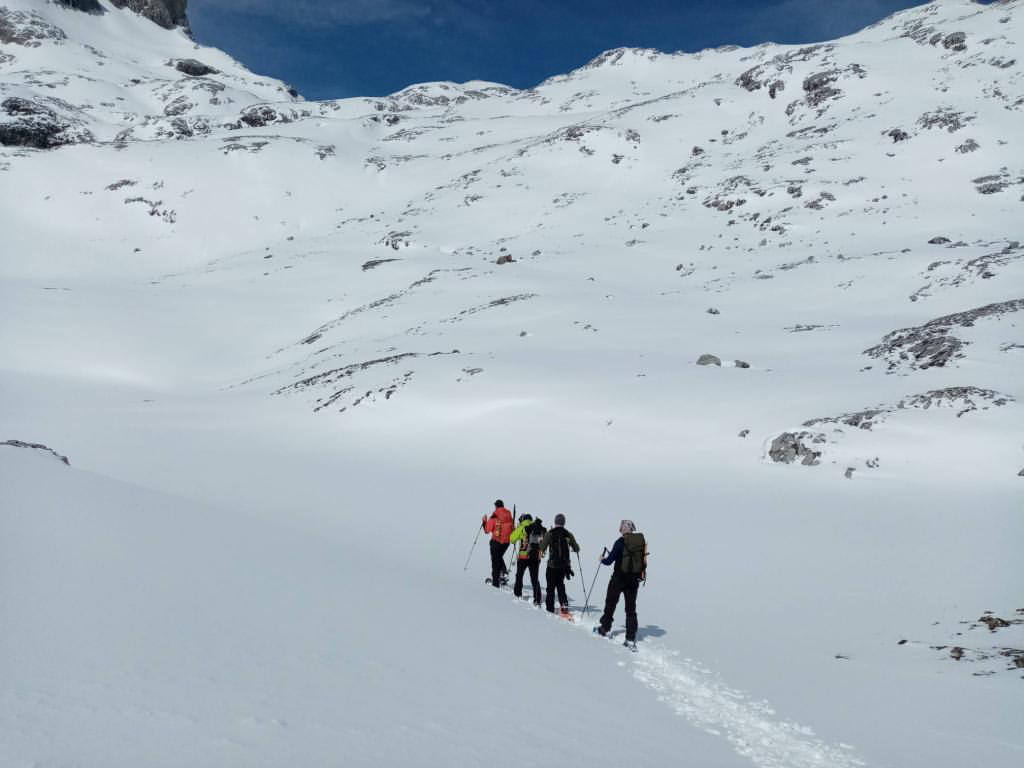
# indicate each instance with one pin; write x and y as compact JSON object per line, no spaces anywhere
{"x":500,"y":525}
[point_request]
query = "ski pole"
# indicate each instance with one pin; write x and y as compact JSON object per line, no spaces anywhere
{"x":586,"y":605}
{"x":583,"y":579}
{"x":473,"y":547}
{"x":512,"y":556}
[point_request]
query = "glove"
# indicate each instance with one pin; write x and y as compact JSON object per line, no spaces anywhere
{"x":569,"y":575}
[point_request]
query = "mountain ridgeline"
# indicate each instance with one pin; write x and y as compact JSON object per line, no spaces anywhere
{"x":853,"y":205}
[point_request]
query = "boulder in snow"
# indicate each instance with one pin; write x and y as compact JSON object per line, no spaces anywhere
{"x":194,"y":68}
{"x":708,"y":359}
{"x":791,"y":446}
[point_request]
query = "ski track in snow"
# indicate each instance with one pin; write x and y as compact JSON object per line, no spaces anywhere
{"x":750,"y":726}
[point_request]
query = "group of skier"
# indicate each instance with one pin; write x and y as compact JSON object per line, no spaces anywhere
{"x":627,"y":557}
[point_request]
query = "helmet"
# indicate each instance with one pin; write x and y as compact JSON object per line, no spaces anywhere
{"x":525,"y":516}
{"x":559,"y":519}
{"x":499,"y":503}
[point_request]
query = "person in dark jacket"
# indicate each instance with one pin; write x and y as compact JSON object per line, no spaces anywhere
{"x":621,"y":583}
{"x":557,"y":543}
{"x":530,"y":535}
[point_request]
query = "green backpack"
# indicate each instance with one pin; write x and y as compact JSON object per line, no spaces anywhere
{"x":634,"y":554}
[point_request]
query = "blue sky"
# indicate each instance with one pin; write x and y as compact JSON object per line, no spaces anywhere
{"x":340,"y":48}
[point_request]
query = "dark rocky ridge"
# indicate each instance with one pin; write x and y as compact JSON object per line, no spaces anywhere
{"x":36,"y":447}
{"x":167,"y":13}
{"x":89,"y":6}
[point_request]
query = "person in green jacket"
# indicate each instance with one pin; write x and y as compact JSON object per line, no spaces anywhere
{"x":530,"y":535}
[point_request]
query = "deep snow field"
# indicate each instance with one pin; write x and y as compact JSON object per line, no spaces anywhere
{"x":274,"y":340}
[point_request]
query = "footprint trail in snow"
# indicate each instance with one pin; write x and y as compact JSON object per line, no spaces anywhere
{"x":750,"y":726}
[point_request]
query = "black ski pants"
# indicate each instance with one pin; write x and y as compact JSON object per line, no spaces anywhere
{"x":555,"y":578}
{"x":621,"y":584}
{"x":498,"y":566}
{"x":534,"y":566}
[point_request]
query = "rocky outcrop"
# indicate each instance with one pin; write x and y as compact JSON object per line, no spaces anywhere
{"x":261,"y":115}
{"x":27,"y":29}
{"x":964,"y":399}
{"x":933,"y":344}
{"x":37,"y":126}
{"x":167,"y":13}
{"x":709,"y":359}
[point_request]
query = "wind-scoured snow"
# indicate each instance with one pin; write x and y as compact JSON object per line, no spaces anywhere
{"x":293,"y":350}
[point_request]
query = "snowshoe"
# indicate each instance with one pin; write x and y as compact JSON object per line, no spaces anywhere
{"x":564,"y":613}
{"x":630,"y":645}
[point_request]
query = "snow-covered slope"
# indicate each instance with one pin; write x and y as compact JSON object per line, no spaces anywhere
{"x":327,"y":323}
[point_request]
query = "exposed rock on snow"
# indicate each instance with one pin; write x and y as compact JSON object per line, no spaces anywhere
{"x":89,"y":6}
{"x":31,"y":124}
{"x":37,"y":447}
{"x":262,"y":115}
{"x":194,"y":68}
{"x":373,"y":263}
{"x":791,"y":446}
{"x":709,"y":359}
{"x":27,"y":28}
{"x":167,"y":13}
{"x":945,"y":117}
{"x":933,"y":344}
{"x":965,"y":399}
{"x":993,"y":622}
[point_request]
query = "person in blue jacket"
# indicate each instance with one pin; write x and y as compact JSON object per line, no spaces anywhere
{"x":628,"y":558}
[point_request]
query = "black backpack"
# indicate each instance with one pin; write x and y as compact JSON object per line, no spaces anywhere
{"x":558,"y":551}
{"x":634,"y":554}
{"x":534,"y":538}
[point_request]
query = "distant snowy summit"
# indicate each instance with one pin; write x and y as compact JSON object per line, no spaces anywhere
{"x":61,"y":62}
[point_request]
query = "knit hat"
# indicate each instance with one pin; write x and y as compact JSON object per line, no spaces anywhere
{"x":525,"y":516}
{"x":627,"y":526}
{"x":499,"y":503}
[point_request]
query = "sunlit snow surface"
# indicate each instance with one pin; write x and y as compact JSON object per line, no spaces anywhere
{"x":283,"y":328}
